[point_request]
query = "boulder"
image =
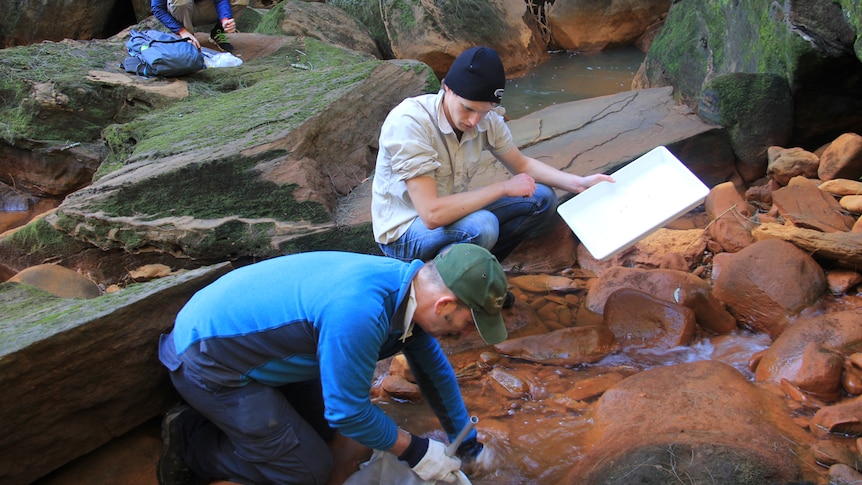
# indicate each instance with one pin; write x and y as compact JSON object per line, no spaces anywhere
{"x":842,"y":159}
{"x":708,"y":424}
{"x":785,"y":360}
{"x":436,"y":32}
{"x":669,"y":285}
{"x":639,"y":319}
{"x":78,"y":373}
{"x":767,"y":283}
{"x":702,"y":41}
{"x":587,"y":25}
{"x":59,"y":281}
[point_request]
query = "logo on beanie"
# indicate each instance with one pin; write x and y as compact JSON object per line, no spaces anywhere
{"x":498,"y":93}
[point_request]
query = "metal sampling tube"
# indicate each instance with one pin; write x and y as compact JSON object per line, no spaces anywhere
{"x":453,"y":447}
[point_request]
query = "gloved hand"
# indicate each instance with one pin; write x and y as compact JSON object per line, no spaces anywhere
{"x":427,"y":458}
{"x":469,"y":450}
{"x":477,"y":459}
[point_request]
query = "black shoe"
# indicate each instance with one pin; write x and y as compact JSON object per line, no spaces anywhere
{"x":219,"y":38}
{"x":171,"y":469}
{"x":509,"y":300}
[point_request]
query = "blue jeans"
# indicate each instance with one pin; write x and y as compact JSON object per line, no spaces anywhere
{"x":255,"y":433}
{"x":499,"y":228}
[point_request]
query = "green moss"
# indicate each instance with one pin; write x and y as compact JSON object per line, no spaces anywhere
{"x":232,"y":239}
{"x":40,"y":239}
{"x":355,"y":239}
{"x":270,"y":24}
{"x":200,"y":191}
{"x":255,"y":104}
{"x":367,"y":12}
{"x":480,"y":19}
{"x":62,"y":67}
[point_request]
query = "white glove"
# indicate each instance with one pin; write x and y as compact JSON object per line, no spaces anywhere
{"x":436,"y":465}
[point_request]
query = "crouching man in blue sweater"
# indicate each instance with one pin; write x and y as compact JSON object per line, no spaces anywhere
{"x":276,"y":359}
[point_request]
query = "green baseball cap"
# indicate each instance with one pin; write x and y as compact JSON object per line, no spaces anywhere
{"x":475,"y":276}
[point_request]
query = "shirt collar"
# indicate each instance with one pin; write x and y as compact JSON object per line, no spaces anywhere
{"x":408,"y":313}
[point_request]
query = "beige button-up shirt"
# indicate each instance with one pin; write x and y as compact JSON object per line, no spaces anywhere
{"x":417,"y":140}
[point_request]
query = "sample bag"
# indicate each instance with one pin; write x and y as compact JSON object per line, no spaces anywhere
{"x":157,"y":53}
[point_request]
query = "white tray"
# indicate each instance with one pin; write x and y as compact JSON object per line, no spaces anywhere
{"x":648,"y":193}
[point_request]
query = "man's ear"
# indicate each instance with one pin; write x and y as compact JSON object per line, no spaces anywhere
{"x":445,"y":304}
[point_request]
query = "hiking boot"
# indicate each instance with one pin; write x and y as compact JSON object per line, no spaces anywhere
{"x":171,"y":469}
{"x":219,"y":38}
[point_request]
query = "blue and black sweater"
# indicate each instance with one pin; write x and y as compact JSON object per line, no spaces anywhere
{"x":330,"y":315}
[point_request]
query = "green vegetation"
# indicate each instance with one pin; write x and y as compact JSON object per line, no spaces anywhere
{"x":256,"y":103}
{"x":59,"y":68}
{"x":181,"y":193}
{"x":480,"y":19}
{"x":40,"y":240}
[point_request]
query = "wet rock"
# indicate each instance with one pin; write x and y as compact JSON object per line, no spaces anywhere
{"x":565,"y":347}
{"x":830,"y":453}
{"x":510,"y":384}
{"x":844,"y":418}
{"x":676,"y":286}
{"x":804,"y":205}
{"x":851,"y":380}
{"x":841,"y":474}
{"x":400,"y":388}
{"x":766,"y":282}
{"x":842,"y":159}
{"x":60,"y":281}
{"x":820,"y":371}
{"x":639,"y":319}
{"x":785,"y":360}
{"x":786,"y":163}
{"x":738,"y":434}
{"x":841,"y":281}
{"x":590,"y":388}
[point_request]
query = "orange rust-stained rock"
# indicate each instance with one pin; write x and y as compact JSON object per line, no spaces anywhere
{"x":642,"y":320}
{"x":842,"y":418}
{"x":565,"y":347}
{"x":804,"y":205}
{"x":669,"y":285}
{"x":764,"y":298}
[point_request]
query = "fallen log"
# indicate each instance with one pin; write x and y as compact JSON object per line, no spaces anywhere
{"x":844,"y":248}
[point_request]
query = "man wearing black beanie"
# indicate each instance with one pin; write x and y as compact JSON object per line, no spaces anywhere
{"x":430,"y":148}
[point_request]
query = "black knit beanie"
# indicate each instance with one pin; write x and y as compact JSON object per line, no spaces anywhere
{"x":477,"y":74}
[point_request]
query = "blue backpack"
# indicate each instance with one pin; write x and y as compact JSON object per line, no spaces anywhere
{"x":157,"y":53}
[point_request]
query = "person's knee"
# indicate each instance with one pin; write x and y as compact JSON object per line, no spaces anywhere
{"x":483,"y":228}
{"x":546,"y":197}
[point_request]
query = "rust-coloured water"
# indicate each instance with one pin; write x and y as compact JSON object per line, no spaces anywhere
{"x":536,"y":438}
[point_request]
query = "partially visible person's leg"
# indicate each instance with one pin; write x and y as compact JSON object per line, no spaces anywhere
{"x":521,"y":217}
{"x":184,"y":11}
{"x":419,"y":242}
{"x":250,"y":434}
